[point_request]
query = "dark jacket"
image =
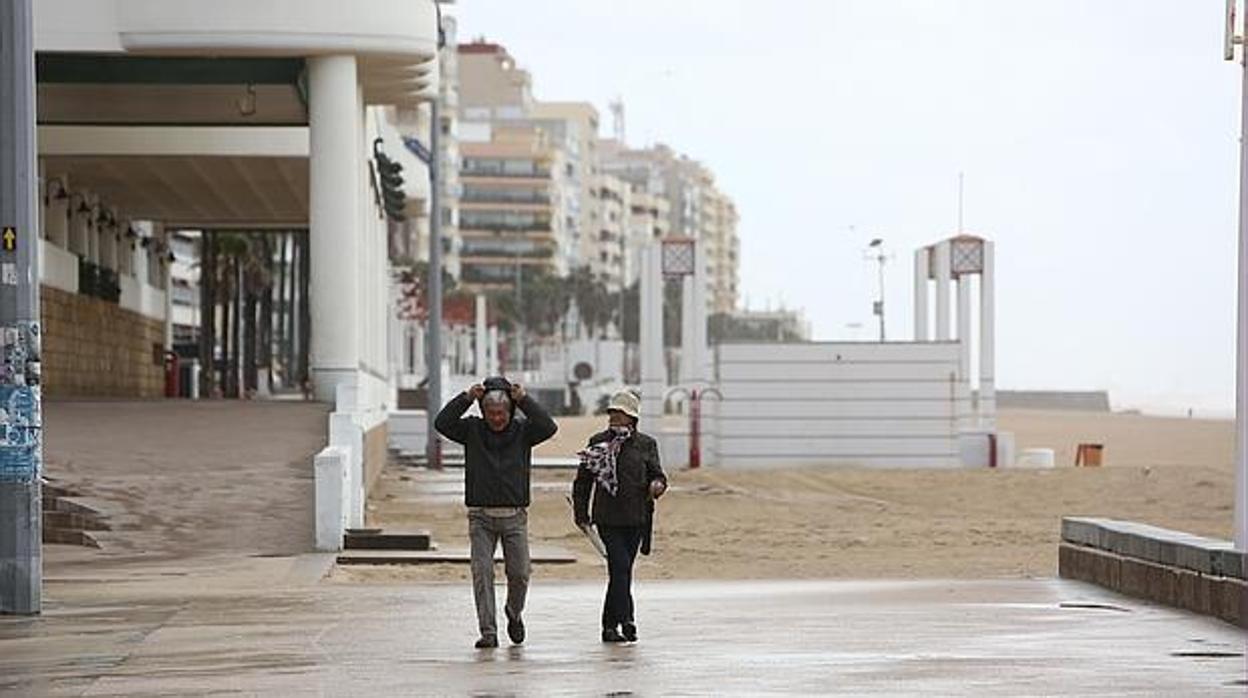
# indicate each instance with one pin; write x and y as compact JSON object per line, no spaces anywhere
{"x":496,"y":464}
{"x":636,"y":466}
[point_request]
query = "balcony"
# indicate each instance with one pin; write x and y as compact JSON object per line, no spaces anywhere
{"x":508,"y":169}
{"x":504,"y":197}
{"x":468,"y":224}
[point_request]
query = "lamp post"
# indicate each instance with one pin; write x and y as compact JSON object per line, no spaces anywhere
{"x":876,"y":253}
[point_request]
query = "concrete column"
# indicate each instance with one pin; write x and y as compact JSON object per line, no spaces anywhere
{"x":689,"y":355}
{"x":964,"y":326}
{"x":653,"y":372}
{"x":93,"y":232}
{"x":334,"y":112}
{"x":968,"y":408}
{"x":699,"y":326}
{"x":143,"y":257}
{"x":482,"y":339}
{"x":987,"y":339}
{"x":166,"y":268}
{"x":491,"y":351}
{"x":942,"y":291}
{"x":922,"y":265}
{"x":56,"y":220}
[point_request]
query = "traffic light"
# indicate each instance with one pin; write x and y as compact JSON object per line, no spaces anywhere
{"x":390,"y":182}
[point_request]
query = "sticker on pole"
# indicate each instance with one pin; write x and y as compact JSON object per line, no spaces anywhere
{"x":9,"y":238}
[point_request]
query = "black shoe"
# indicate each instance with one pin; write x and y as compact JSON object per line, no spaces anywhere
{"x":486,"y":642}
{"x":611,"y":635}
{"x":630,"y":631}
{"x":515,"y":629}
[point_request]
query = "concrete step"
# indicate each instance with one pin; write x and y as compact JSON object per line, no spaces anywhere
{"x":539,"y":556}
{"x":375,"y":539}
{"x":70,"y":520}
{"x":65,"y":536}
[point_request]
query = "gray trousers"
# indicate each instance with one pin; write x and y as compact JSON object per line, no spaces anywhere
{"x":484,"y":532}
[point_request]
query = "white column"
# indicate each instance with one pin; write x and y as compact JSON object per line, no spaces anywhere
{"x":653,"y":380}
{"x":93,"y":234}
{"x":689,"y":354}
{"x":922,"y":265}
{"x":333,"y":115}
{"x":491,"y":351}
{"x":56,"y":222}
{"x":142,"y":257}
{"x":964,"y":326}
{"x":700,"y":295}
{"x":481,"y":365}
{"x":987,"y":339}
{"x":167,"y":278}
{"x":968,"y":408}
{"x":942,"y":291}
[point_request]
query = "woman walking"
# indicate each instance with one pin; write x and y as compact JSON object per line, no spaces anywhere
{"x":620,"y":469}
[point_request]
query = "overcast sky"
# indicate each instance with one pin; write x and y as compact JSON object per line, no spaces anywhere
{"x":1098,"y":140}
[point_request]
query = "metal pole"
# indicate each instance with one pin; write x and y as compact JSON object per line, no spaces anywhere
{"x":881,"y":260}
{"x":433,"y":445}
{"x":1241,"y":354}
{"x":21,"y":451}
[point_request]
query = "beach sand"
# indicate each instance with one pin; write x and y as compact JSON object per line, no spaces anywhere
{"x":856,"y":523}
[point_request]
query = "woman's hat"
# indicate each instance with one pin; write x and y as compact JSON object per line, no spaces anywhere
{"x":626,"y":402}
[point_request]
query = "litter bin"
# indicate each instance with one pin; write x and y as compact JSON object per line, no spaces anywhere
{"x":1089,"y":455}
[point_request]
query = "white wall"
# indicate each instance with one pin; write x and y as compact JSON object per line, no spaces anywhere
{"x":859,"y":404}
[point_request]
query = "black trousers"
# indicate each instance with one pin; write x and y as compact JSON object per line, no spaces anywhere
{"x":622,"y":543}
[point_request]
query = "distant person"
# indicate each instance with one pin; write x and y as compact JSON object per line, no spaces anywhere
{"x":498,"y":450}
{"x":620,"y":467}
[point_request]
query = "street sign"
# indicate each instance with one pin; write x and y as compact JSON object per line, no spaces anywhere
{"x":9,"y":238}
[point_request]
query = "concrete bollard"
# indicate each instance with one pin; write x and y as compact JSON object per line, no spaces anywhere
{"x":331,"y":471}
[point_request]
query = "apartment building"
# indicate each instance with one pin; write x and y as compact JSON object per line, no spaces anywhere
{"x":696,"y":208}
{"x":509,"y":211}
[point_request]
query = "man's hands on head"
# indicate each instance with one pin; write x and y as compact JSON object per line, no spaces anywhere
{"x":476,"y":391}
{"x":517,"y":392}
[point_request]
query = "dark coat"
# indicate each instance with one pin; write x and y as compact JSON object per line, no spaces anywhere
{"x":496,"y":464}
{"x":636,"y":466}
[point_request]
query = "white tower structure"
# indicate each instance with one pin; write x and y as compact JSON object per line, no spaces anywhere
{"x":958,"y":260}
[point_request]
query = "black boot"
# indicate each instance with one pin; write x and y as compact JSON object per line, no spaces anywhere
{"x":630,"y":631}
{"x":515,"y":629}
{"x":611,"y":635}
{"x":486,"y":642}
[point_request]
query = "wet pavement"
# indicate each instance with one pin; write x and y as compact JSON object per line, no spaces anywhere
{"x":198,"y":592}
{"x":274,"y":627}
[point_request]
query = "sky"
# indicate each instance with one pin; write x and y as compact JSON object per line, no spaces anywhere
{"x":1097,"y":140}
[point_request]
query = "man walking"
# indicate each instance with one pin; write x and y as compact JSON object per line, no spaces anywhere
{"x":498,"y":451}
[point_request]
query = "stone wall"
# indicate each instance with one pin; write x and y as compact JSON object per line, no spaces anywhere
{"x":1168,"y":567}
{"x":93,"y":348}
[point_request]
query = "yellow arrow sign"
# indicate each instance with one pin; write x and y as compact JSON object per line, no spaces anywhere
{"x":9,"y":238}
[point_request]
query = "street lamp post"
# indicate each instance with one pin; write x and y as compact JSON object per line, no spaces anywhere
{"x":876,"y":253}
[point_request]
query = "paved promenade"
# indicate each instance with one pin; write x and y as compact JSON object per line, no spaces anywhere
{"x":269,"y":627}
{"x":241,"y":614}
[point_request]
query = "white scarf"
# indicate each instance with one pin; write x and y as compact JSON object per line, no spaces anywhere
{"x":599,"y":458}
